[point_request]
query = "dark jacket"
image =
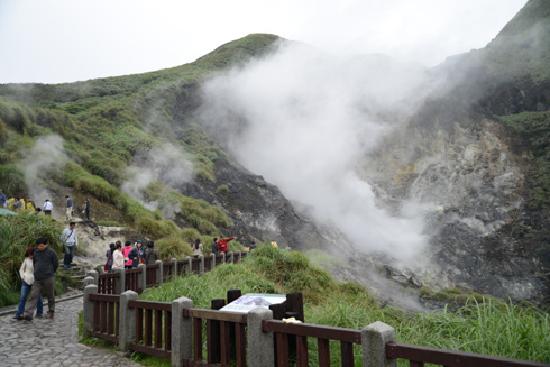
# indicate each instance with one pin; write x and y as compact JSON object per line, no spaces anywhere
{"x":150,"y":255}
{"x":45,"y":264}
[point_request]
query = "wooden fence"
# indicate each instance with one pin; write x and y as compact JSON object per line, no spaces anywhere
{"x":135,"y":280}
{"x":211,"y":337}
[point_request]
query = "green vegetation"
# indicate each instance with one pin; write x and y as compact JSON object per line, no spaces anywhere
{"x":17,"y":233}
{"x":489,"y":327}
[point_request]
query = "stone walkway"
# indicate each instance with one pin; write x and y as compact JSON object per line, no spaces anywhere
{"x":45,"y":342}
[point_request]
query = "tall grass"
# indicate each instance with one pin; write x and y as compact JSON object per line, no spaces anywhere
{"x":16,"y":234}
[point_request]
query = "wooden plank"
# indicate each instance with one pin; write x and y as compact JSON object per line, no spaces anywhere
{"x":213,"y":330}
{"x":110,"y":317}
{"x":218,"y":315}
{"x":233,"y":295}
{"x":302,"y":355}
{"x":452,"y":358}
{"x":416,"y":364}
{"x":103,"y":317}
{"x":148,"y":340}
{"x":324,"y":352}
{"x":312,"y":330}
{"x":95,"y":323}
{"x":139,"y":325}
{"x":158,"y":329}
{"x":346,"y":354}
{"x":225,"y":344}
{"x":240,"y":334}
{"x":161,"y":353}
{"x":168,"y":330}
{"x":197,"y":339}
{"x":295,"y":303}
{"x":281,"y":340}
{"x":94,"y":297}
{"x":117,"y":317}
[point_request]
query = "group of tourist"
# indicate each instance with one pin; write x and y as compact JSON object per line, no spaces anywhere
{"x":130,"y":255}
{"x":19,"y":204}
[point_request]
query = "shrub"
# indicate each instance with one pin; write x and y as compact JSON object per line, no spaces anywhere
{"x":16,"y":234}
{"x":173,"y":247}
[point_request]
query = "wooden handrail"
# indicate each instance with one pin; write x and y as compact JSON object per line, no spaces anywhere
{"x":312,"y":330}
{"x":98,"y":297}
{"x":148,"y":305}
{"x":205,"y":314}
{"x":452,"y":358}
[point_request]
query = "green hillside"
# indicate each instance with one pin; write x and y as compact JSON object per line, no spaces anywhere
{"x":104,"y":122}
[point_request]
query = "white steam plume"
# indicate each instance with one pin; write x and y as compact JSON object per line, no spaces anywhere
{"x":165,"y":163}
{"x":304,"y":120}
{"x":46,"y":156}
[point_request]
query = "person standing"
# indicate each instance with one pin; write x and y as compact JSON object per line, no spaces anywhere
{"x":26,"y":272}
{"x":109,"y":263}
{"x":47,"y":207}
{"x":45,"y":265}
{"x":151,"y":254}
{"x":140,"y":252}
{"x":197,"y":248}
{"x":3,"y":200}
{"x":70,"y":241}
{"x":118,"y":257}
{"x":87,"y":208}
{"x":68,"y":208}
{"x":126,"y":252}
{"x":223,"y":244}
{"x":215,"y":248}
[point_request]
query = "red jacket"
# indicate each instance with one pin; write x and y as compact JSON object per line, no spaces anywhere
{"x":223,"y":244}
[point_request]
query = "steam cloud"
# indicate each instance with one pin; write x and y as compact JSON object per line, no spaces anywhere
{"x":46,"y":156}
{"x":166,"y":163}
{"x":305,"y":120}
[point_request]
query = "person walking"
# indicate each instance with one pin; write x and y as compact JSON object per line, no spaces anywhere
{"x":87,"y":209}
{"x":68,"y":208}
{"x":47,"y":207}
{"x":197,"y":248}
{"x":70,"y":241}
{"x":26,"y":272}
{"x":118,"y":257}
{"x":45,"y":266}
{"x":151,"y":254}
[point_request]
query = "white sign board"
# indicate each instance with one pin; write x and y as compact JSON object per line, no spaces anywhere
{"x":250,"y":301}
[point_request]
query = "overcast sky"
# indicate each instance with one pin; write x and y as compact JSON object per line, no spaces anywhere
{"x":67,"y":40}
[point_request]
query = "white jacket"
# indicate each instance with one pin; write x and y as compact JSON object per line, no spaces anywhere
{"x":26,"y":271}
{"x":118,"y":260}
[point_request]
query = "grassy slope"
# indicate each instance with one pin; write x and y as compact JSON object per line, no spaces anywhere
{"x":105,"y":121}
{"x":492,"y":327}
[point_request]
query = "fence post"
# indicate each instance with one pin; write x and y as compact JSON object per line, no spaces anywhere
{"x":230,"y":257}
{"x":88,"y":280}
{"x":201,"y":264}
{"x":373,"y":341}
{"x":121,"y":284}
{"x":94,"y":274}
{"x":223,"y":257}
{"x":259,"y":350}
{"x":182,"y":332}
{"x":160,"y":271}
{"x":189,"y":261}
{"x":142,"y":278}
{"x":127,"y":321}
{"x":88,"y":308}
{"x":213,"y":261}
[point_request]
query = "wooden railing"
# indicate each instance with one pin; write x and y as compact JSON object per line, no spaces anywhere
{"x":105,"y":316}
{"x":225,"y":330}
{"x":107,"y":283}
{"x":419,"y":356}
{"x":153,"y":328}
{"x":132,"y":280}
{"x":289,"y":332}
{"x":151,"y":275}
